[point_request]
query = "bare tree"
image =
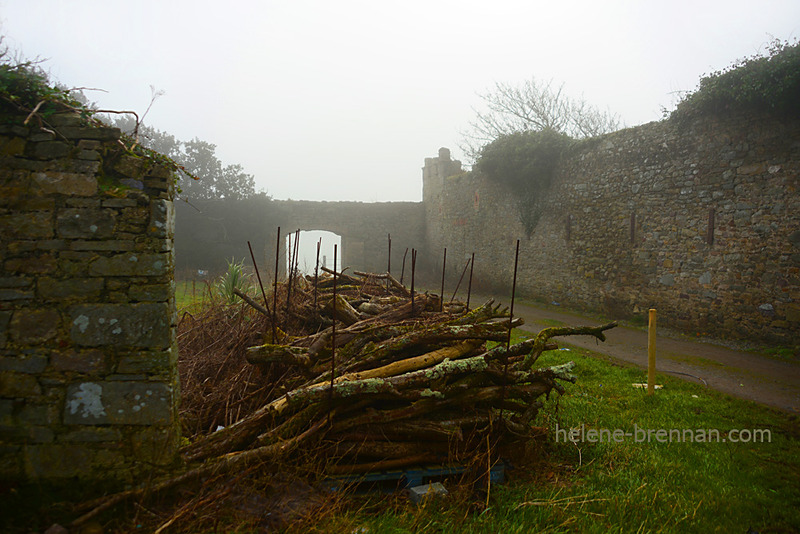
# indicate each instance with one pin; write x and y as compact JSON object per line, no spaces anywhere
{"x":533,"y":106}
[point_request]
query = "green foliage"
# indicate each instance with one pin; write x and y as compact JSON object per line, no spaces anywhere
{"x":766,"y":82}
{"x":525,"y":162}
{"x":25,"y":87}
{"x":26,"y":91}
{"x":234,"y":278}
{"x":211,"y":179}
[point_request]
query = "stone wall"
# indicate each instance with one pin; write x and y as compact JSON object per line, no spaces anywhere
{"x":211,"y":232}
{"x":698,"y":220}
{"x":88,"y":380}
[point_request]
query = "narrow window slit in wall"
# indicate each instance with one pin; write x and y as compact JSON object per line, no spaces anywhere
{"x":568,"y":224}
{"x":633,"y":227}
{"x":710,"y":231}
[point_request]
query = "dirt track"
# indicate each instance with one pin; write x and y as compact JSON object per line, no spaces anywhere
{"x":748,"y":375}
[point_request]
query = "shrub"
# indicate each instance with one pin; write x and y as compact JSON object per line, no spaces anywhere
{"x":234,"y":278}
{"x":525,"y":162}
{"x":766,"y":82}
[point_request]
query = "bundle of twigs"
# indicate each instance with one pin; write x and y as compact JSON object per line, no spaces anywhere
{"x":388,"y":385}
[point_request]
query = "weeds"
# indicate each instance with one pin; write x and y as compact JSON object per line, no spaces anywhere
{"x":234,"y":278}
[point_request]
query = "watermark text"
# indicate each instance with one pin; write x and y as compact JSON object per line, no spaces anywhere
{"x":662,"y":435}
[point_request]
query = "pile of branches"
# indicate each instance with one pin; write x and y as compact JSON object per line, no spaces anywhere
{"x":374,"y":377}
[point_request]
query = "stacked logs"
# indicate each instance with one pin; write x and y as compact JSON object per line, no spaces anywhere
{"x":393,"y":383}
{"x":377,"y":377}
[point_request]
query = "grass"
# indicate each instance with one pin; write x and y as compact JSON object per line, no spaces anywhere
{"x":630,"y":486}
{"x":634,"y":485}
{"x":190,"y":294}
{"x":790,"y":354}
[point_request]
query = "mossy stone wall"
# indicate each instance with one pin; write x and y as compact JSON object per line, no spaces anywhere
{"x":88,"y":379}
{"x":700,"y":220}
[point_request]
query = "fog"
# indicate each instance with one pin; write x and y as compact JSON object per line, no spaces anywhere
{"x":343,"y":100}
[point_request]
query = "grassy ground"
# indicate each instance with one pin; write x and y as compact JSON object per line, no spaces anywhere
{"x":190,"y":293}
{"x":635,"y":485}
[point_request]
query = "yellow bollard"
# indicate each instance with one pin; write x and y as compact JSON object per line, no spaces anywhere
{"x":651,"y":353}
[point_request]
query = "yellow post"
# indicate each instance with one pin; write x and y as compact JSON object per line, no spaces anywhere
{"x":651,"y":353}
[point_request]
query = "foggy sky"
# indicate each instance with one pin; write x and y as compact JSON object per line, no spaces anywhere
{"x":343,"y":100}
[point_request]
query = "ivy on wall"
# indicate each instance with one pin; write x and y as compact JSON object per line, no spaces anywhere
{"x":526,"y":163}
{"x":767,"y":82}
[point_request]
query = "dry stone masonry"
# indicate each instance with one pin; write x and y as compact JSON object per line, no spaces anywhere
{"x":700,"y":220}
{"x":88,"y":381}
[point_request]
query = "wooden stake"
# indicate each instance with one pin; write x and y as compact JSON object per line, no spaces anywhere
{"x":413,"y":269}
{"x":316,"y":271}
{"x":258,"y":275}
{"x":510,"y":326}
{"x":466,"y":264}
{"x":441,"y":293}
{"x":275,"y":289}
{"x":469,"y":288}
{"x":403,"y":271}
{"x":333,"y":336}
{"x":651,"y":353}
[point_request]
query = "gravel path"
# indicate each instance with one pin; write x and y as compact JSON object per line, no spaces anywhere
{"x":749,"y":375}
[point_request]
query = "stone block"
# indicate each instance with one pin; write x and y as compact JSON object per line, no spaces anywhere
{"x":145,"y":325}
{"x":23,"y":363}
{"x":91,"y":434}
{"x":89,"y":144}
{"x":667,"y":280}
{"x":108,"y":245}
{"x":77,"y":223}
{"x":755,"y":168}
{"x":66,"y":183}
{"x":162,"y":219}
{"x":132,"y":264}
{"x":119,"y":403}
{"x":160,"y":171}
{"x":155,"y":446}
{"x":66,"y":119}
{"x":14,"y":185}
{"x":120,"y":203}
{"x":81,"y":166}
{"x":15,"y":294}
{"x":136,"y":218}
{"x":5,"y":317}
{"x":54,"y":460}
{"x":18,"y":385}
{"x":34,"y":326}
{"x":71,"y":288}
{"x":147,"y":362}
{"x":11,"y":146}
{"x":10,"y":462}
{"x":90,"y":132}
{"x":41,"y":264}
{"x":15,"y":282}
{"x":30,"y":225}
{"x":83,"y":202}
{"x":107,"y":461}
{"x":49,"y":149}
{"x":14,"y":129}
{"x":26,"y":434}
{"x":151,"y":293}
{"x":90,"y":362}
{"x":29,"y":413}
{"x":131,"y":166}
{"x":7,"y":411}
{"x":90,"y":155}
